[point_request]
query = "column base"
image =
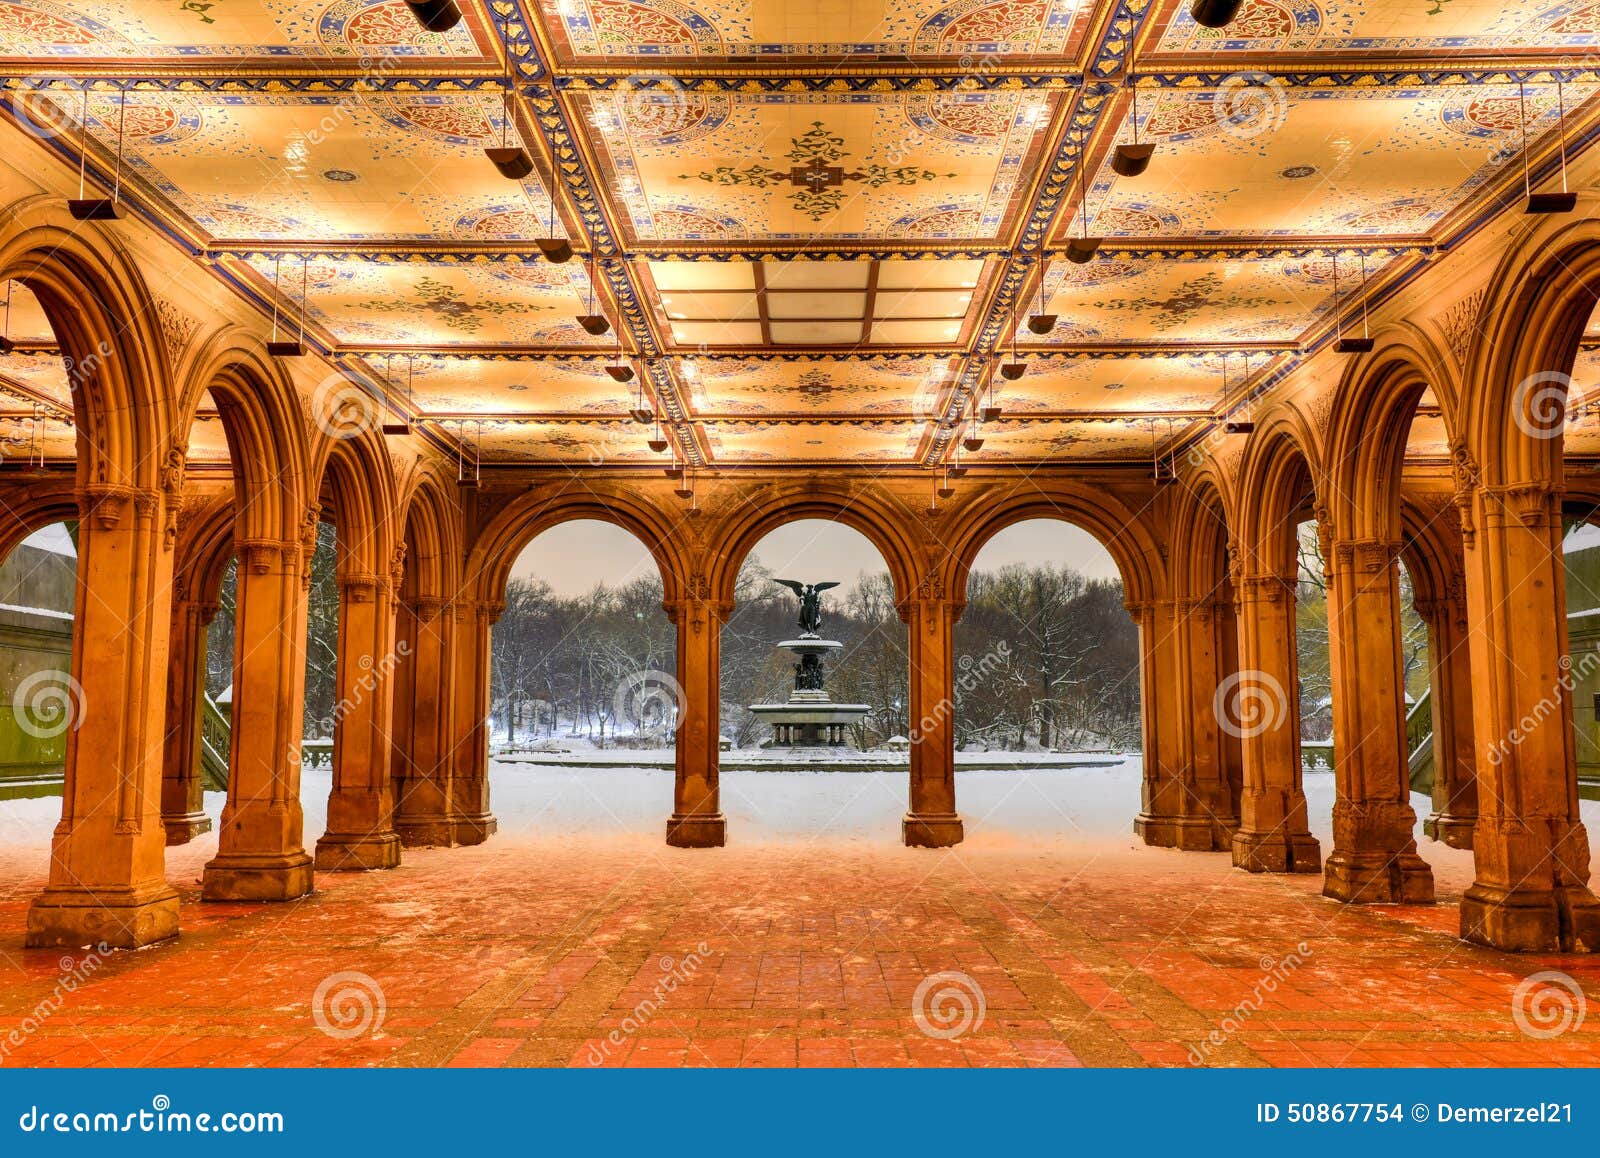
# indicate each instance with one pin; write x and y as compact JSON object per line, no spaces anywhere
{"x":697,"y":831}
{"x":1451,"y":831}
{"x":336,"y":854}
{"x":473,"y":829}
{"x":240,"y":877}
{"x":1378,"y":879}
{"x":125,"y":919}
{"x":1272,"y":853}
{"x":183,"y":829}
{"x":931,"y":830}
{"x":1531,"y":920}
{"x":428,"y":832}
{"x":1188,"y":833}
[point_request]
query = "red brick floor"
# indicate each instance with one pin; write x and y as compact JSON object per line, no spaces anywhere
{"x":1092,"y":951}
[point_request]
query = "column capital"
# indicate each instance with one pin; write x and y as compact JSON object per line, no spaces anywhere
{"x":929,"y":609}
{"x":1264,"y":588}
{"x":697,"y":614}
{"x":260,"y":556}
{"x":1366,"y":556}
{"x":1530,"y":504}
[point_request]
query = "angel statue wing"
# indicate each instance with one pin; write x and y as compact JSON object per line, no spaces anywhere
{"x":797,"y":588}
{"x":824,"y":586}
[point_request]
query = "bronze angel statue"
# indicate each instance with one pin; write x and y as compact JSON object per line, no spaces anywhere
{"x":810,"y":603}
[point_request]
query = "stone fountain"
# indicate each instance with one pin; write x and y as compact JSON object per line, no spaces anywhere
{"x":810,"y":718}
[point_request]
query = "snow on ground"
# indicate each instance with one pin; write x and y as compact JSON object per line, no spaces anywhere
{"x":776,"y":807}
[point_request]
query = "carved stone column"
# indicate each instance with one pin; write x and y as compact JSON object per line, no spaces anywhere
{"x":1455,"y":774}
{"x":361,"y":805}
{"x":107,"y":857}
{"x":470,"y":818}
{"x":1258,"y":705}
{"x":1530,"y":849}
{"x":931,"y":820}
{"x":260,"y":855}
{"x":1374,"y":858}
{"x":182,"y":790}
{"x":697,"y":820}
{"x":424,"y":725}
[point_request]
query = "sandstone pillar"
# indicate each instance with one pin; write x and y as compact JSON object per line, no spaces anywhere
{"x":931,"y":820}
{"x":107,"y":856}
{"x":1530,"y":849}
{"x":182,"y":792}
{"x":471,"y":822}
{"x":1259,"y":705}
{"x":361,"y":805}
{"x":424,"y":719}
{"x":1374,"y":858}
{"x":697,"y":820}
{"x":260,"y":856}
{"x":1455,"y":778}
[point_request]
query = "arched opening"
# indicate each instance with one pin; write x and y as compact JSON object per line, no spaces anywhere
{"x":815,"y":712}
{"x":584,"y":705}
{"x":1048,"y":716}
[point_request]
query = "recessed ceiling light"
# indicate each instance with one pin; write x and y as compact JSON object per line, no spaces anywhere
{"x":343,"y":176}
{"x":1295,"y":172}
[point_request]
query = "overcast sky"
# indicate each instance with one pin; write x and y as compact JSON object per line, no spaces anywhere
{"x":573,"y":557}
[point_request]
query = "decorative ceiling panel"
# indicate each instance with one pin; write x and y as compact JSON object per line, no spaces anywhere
{"x":691,"y":166}
{"x":82,"y":31}
{"x":1043,"y":441}
{"x":780,"y":32}
{"x":457,"y":385}
{"x":1376,"y":27}
{"x":1175,"y":302}
{"x":363,"y":302}
{"x":903,"y":386}
{"x":1167,"y":382}
{"x":1268,"y":160}
{"x":591,"y":443}
{"x":320,"y":167}
{"x":862,"y":440}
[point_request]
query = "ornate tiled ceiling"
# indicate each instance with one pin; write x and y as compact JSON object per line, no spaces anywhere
{"x":814,"y":230}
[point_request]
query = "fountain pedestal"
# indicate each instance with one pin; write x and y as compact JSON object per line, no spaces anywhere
{"x":810,"y":718}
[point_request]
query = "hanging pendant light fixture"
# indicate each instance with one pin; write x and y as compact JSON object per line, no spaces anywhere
{"x":469,"y":459}
{"x":1040,"y":322}
{"x":287,"y":347}
{"x":1081,"y":249}
{"x":556,"y":250}
{"x":513,"y":161}
{"x":399,"y":422}
{"x":592,"y":322}
{"x":658,"y":442}
{"x":1015,"y":368}
{"x":1345,"y":345}
{"x":1132,"y":159}
{"x":990,"y":411}
{"x":674,"y":469}
{"x":99,"y":208}
{"x":1215,"y":13}
{"x":685,"y":487}
{"x":1564,"y":201}
{"x":435,"y":15}
{"x":946,"y":491}
{"x":621,"y":371}
{"x":642,"y":413}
